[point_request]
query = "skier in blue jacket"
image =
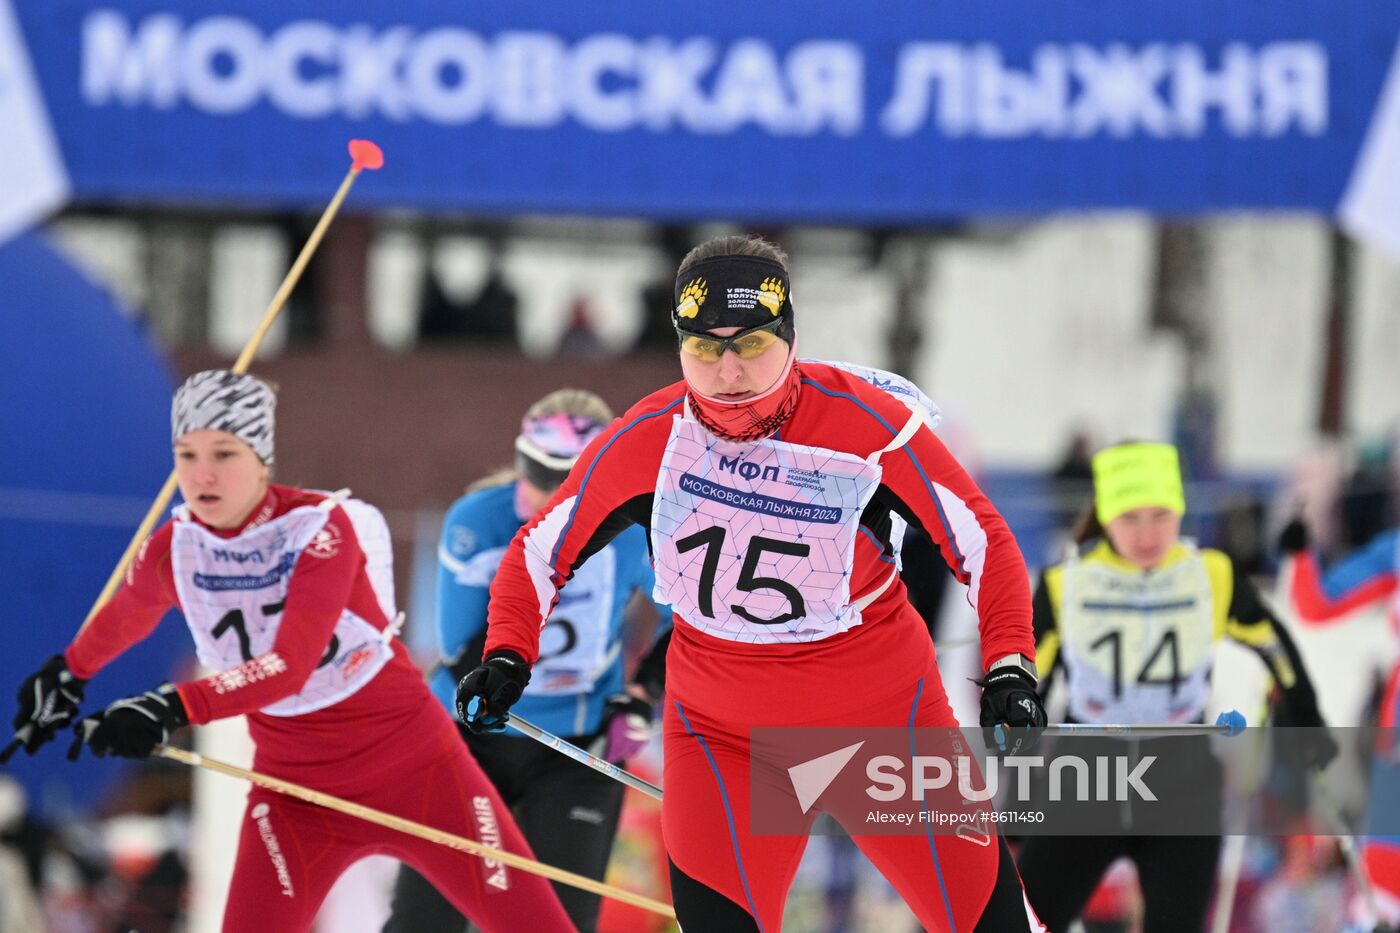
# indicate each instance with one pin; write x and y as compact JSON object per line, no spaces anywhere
{"x":568,"y":812}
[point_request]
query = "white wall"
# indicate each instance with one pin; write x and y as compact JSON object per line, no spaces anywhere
{"x":1031,"y":331}
{"x":549,"y":276}
{"x":1373,"y":389}
{"x":248,"y":263}
{"x":1266,"y":300}
{"x":110,"y":251}
{"x":1031,"y":337}
{"x":395,"y":288}
{"x":843,"y":313}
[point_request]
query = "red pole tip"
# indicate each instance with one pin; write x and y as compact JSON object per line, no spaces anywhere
{"x":366,"y":154}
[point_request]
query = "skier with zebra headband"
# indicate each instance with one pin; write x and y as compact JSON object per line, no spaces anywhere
{"x":288,"y":594}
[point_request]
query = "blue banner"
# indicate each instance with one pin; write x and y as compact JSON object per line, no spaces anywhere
{"x":86,"y":423}
{"x":907,"y":111}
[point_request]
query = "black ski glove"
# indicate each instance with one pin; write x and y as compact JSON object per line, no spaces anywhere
{"x":1012,"y":714}
{"x":1308,"y":743}
{"x":486,"y":694}
{"x":132,"y":727}
{"x":48,"y":701}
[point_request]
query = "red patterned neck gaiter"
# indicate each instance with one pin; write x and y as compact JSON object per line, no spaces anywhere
{"x":752,"y":418}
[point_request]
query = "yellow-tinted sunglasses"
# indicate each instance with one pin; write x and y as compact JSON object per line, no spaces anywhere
{"x":748,"y":344}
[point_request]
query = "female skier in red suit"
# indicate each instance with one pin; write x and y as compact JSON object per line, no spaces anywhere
{"x":288,"y":594}
{"x":767,"y":487}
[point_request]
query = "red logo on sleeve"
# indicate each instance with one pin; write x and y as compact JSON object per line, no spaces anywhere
{"x":326,"y":543}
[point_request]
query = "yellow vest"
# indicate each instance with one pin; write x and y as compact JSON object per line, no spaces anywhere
{"x":1138,"y":646}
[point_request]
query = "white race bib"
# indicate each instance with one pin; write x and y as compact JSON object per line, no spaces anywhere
{"x":574,"y":649}
{"x":1137,"y":647}
{"x":232,"y":591}
{"x":755,"y":541}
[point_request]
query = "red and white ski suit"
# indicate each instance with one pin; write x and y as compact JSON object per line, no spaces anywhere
{"x":388,"y":744}
{"x":867,"y":662}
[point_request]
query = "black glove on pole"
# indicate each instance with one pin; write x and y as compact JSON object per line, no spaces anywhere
{"x":1308,"y":739}
{"x":1009,"y":699}
{"x":486,"y":694}
{"x":133,"y":727}
{"x":48,"y":701}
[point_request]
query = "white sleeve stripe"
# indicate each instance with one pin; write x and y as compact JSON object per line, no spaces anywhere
{"x":451,"y":563}
{"x":540,"y":544}
{"x":477,"y":570}
{"x":969,"y":537}
{"x":912,"y":425}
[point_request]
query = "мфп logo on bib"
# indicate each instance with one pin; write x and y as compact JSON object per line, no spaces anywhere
{"x":239,"y":557}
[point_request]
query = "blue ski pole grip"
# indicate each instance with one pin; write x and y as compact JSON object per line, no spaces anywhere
{"x":1233,"y":721}
{"x":999,"y":734}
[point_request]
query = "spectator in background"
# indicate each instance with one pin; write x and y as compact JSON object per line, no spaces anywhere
{"x":1242,"y":535}
{"x":1073,"y":477}
{"x":1366,"y":503}
{"x":580,"y":339}
{"x":1344,"y":496}
{"x":487,"y":318}
{"x":656,"y":332}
